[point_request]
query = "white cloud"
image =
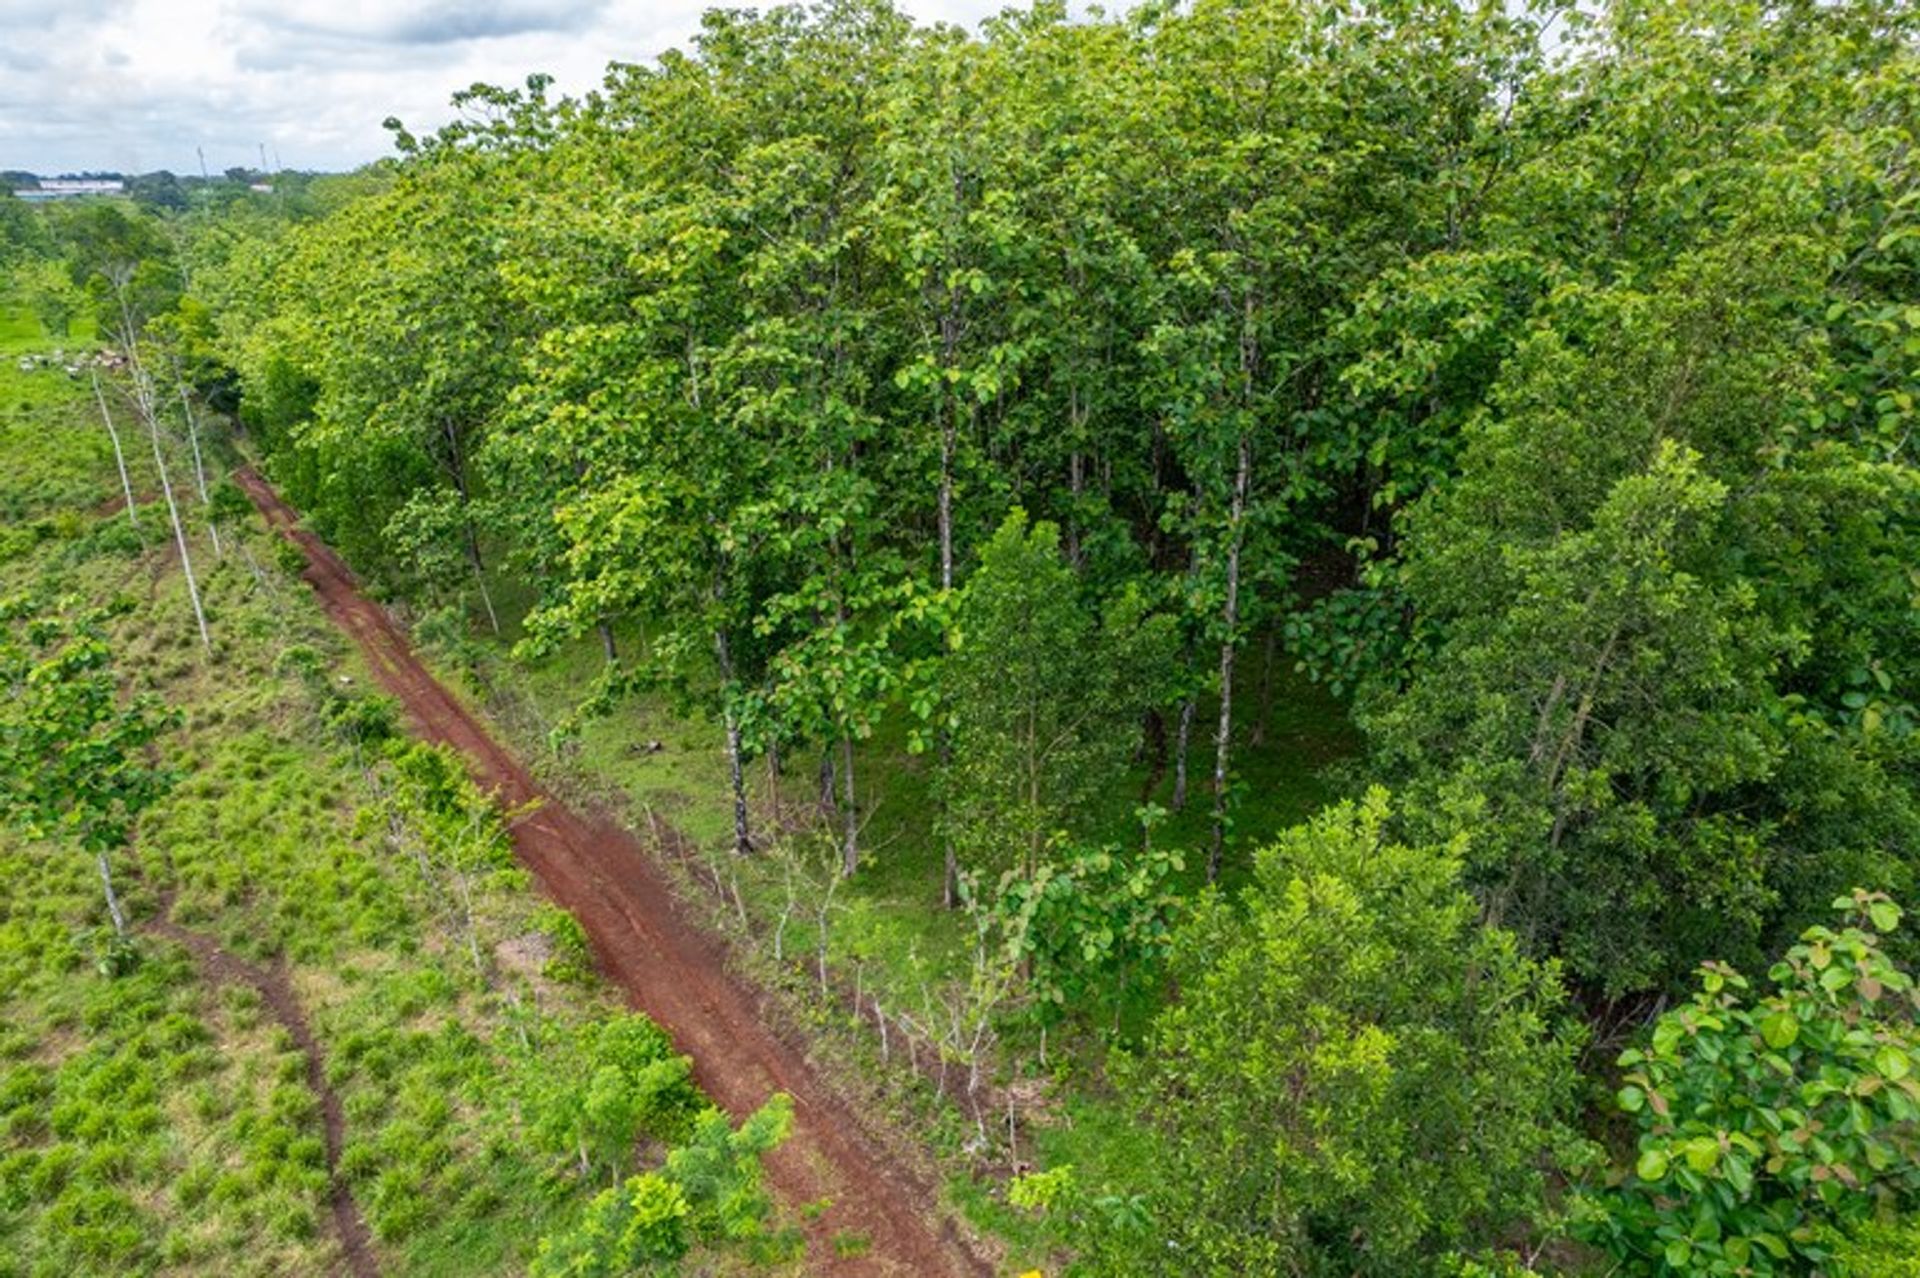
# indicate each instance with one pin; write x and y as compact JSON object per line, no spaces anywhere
{"x":137,"y":85}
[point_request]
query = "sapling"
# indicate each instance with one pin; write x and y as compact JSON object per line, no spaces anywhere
{"x":199,"y":466}
{"x":143,"y":392}
{"x":74,"y":762}
{"x":119,"y":458}
{"x":120,"y":278}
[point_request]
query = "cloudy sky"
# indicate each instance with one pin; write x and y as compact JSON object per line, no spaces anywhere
{"x":136,"y":85}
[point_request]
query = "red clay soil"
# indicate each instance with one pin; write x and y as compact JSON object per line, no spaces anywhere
{"x":671,"y":968}
{"x":222,"y":966}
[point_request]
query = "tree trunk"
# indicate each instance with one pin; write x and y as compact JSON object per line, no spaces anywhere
{"x":950,"y":856}
{"x":199,"y":467}
{"x":113,"y":902}
{"x":1076,"y":484}
{"x":606,"y":643}
{"x":1153,"y":752}
{"x":773,"y":785}
{"x":736,"y":773}
{"x":480,"y":574}
{"x":119,"y":458}
{"x":1230,"y":617}
{"x":849,"y":814}
{"x":950,"y":880}
{"x":829,"y":782}
{"x":1077,"y":414}
{"x":1259,"y":734}
{"x":1183,"y":740}
{"x":143,"y":391}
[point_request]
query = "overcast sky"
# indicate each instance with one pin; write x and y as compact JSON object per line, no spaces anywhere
{"x":136,"y":85}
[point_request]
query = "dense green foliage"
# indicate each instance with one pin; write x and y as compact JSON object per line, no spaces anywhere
{"x":1358,"y":1077}
{"x":975,"y":413}
{"x":1572,"y":341}
{"x":1041,"y":696}
{"x":1778,"y":1119}
{"x":709,"y":1190}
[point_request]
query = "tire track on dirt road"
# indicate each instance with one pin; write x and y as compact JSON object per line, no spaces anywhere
{"x":669,"y":967}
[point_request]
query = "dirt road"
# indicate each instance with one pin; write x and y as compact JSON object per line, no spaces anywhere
{"x":670,"y":968}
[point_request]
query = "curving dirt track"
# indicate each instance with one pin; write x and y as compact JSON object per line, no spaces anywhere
{"x":221,"y":966}
{"x":670,"y":968}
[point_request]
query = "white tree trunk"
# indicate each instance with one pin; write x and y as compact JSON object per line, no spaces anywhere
{"x":850,"y":843}
{"x":143,"y":390}
{"x":199,"y":467}
{"x":113,"y":901}
{"x":119,"y":458}
{"x":1230,"y":618}
{"x":742,"y":829}
{"x":1181,"y":745}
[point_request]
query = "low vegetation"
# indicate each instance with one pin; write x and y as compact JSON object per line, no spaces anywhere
{"x":158,"y":1112}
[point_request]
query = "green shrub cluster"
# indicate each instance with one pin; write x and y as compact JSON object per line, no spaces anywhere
{"x":708,"y":1190}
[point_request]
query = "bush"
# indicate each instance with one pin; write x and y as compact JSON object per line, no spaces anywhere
{"x":709,"y":1192}
{"x":571,"y":960}
{"x":1770,"y":1125}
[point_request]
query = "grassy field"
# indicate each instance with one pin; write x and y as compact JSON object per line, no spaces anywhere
{"x":155,"y":1122}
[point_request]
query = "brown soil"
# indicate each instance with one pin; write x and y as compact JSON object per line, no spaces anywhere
{"x":217,"y":966}
{"x":669,"y":967}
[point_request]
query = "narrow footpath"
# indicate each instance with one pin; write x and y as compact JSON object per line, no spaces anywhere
{"x":220,"y":966}
{"x":670,"y":968}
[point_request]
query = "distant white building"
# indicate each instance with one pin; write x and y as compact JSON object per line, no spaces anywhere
{"x":70,"y":189}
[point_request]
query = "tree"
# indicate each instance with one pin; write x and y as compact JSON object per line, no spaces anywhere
{"x":23,"y":235}
{"x":50,"y":291}
{"x":121,"y":278}
{"x":592,"y":1092}
{"x":708,"y":1192}
{"x":73,"y":756}
{"x":1043,"y":696}
{"x":1090,"y":928}
{"x":119,"y":457}
{"x":1355,"y":1072}
{"x":1769,"y":1122}
{"x":1649,"y":613}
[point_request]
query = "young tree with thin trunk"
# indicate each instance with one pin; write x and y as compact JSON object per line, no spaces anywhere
{"x":199,"y":464}
{"x":144,"y":396}
{"x":120,"y":277}
{"x":1045,"y":691}
{"x":74,"y":758}
{"x":119,"y":457}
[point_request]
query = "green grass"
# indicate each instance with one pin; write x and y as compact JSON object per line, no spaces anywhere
{"x":153,"y":1124}
{"x":51,"y":436}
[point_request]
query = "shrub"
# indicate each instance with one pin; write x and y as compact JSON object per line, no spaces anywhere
{"x":1769,"y":1124}
{"x":571,"y":959}
{"x":1088,"y":928}
{"x":709,"y":1192}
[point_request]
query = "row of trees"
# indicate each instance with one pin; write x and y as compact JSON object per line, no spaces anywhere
{"x":1571,"y":341}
